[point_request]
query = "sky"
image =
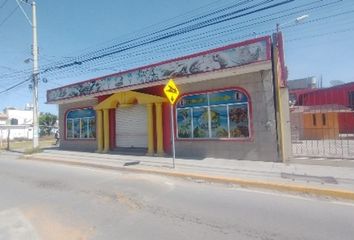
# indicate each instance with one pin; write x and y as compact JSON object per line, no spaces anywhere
{"x":321,"y":45}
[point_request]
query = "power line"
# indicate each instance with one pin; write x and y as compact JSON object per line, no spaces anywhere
{"x":193,"y":20}
{"x":99,"y":50}
{"x":208,"y":34}
{"x":16,"y":85}
{"x":166,"y":36}
{"x":145,"y":33}
{"x":167,"y":43}
{"x":122,"y":43}
{"x":160,"y":24}
{"x":197,"y":26}
{"x":81,"y":66}
{"x":207,"y":15}
{"x":3,"y":4}
{"x":238,"y":28}
{"x":8,"y":16}
{"x":192,"y":11}
{"x":269,"y":31}
{"x":231,"y":39}
{"x":320,"y":35}
{"x":326,"y":41}
{"x":52,"y":65}
{"x":193,"y":42}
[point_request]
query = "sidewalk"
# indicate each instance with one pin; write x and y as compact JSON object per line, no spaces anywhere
{"x":335,"y":178}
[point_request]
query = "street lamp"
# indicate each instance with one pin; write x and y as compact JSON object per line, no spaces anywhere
{"x":35,"y":73}
{"x":296,"y":21}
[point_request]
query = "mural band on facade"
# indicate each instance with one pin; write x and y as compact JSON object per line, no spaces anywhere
{"x":218,"y":59}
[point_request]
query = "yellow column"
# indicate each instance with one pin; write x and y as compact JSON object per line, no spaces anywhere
{"x":150,"y":128}
{"x":99,"y":131}
{"x":106,"y":129}
{"x":159,"y":131}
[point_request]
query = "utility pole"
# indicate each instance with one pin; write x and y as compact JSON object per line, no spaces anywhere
{"x":35,"y":73}
{"x":35,"y":76}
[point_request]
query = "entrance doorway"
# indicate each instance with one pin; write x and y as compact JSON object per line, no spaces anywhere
{"x":131,"y":127}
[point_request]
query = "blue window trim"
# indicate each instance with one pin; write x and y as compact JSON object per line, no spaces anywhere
{"x":70,"y":116}
{"x":244,"y":99}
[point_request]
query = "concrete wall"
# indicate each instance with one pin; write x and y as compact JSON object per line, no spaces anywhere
{"x":16,"y":132}
{"x":25,"y":133}
{"x":263,"y":145}
{"x":285,"y":116}
{"x":77,"y":144}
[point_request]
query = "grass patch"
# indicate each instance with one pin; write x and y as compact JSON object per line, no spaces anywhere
{"x":26,"y":145}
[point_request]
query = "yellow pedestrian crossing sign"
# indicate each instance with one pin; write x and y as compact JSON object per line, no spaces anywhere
{"x":171,"y":91}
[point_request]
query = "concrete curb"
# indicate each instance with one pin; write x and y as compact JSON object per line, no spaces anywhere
{"x":283,"y":187}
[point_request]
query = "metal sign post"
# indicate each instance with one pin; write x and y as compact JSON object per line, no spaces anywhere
{"x":172,"y":94}
{"x":173,"y":137}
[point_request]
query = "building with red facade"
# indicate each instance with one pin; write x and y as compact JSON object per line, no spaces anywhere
{"x":339,"y":99}
{"x":226,"y":107}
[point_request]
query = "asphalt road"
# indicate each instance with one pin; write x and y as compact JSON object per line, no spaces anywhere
{"x":48,"y":201}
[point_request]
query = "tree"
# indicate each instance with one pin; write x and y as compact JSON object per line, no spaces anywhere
{"x":47,"y":122}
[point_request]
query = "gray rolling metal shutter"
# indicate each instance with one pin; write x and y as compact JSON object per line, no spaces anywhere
{"x":131,"y":126}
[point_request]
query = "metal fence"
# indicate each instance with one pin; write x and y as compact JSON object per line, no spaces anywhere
{"x":325,"y":131}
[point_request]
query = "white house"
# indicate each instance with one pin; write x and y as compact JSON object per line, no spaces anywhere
{"x":3,"y":118}
{"x":18,"y":122}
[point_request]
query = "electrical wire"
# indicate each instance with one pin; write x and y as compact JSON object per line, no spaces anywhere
{"x":3,"y":4}
{"x":27,"y":71}
{"x":169,"y":35}
{"x":74,"y":63}
{"x":16,"y":85}
{"x":245,"y":26}
{"x":159,"y":25}
{"x":320,"y":35}
{"x":8,"y":16}
{"x":120,"y":44}
{"x":80,"y":66}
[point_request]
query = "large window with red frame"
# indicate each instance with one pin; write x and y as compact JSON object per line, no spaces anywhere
{"x":81,"y":124}
{"x":214,"y":115}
